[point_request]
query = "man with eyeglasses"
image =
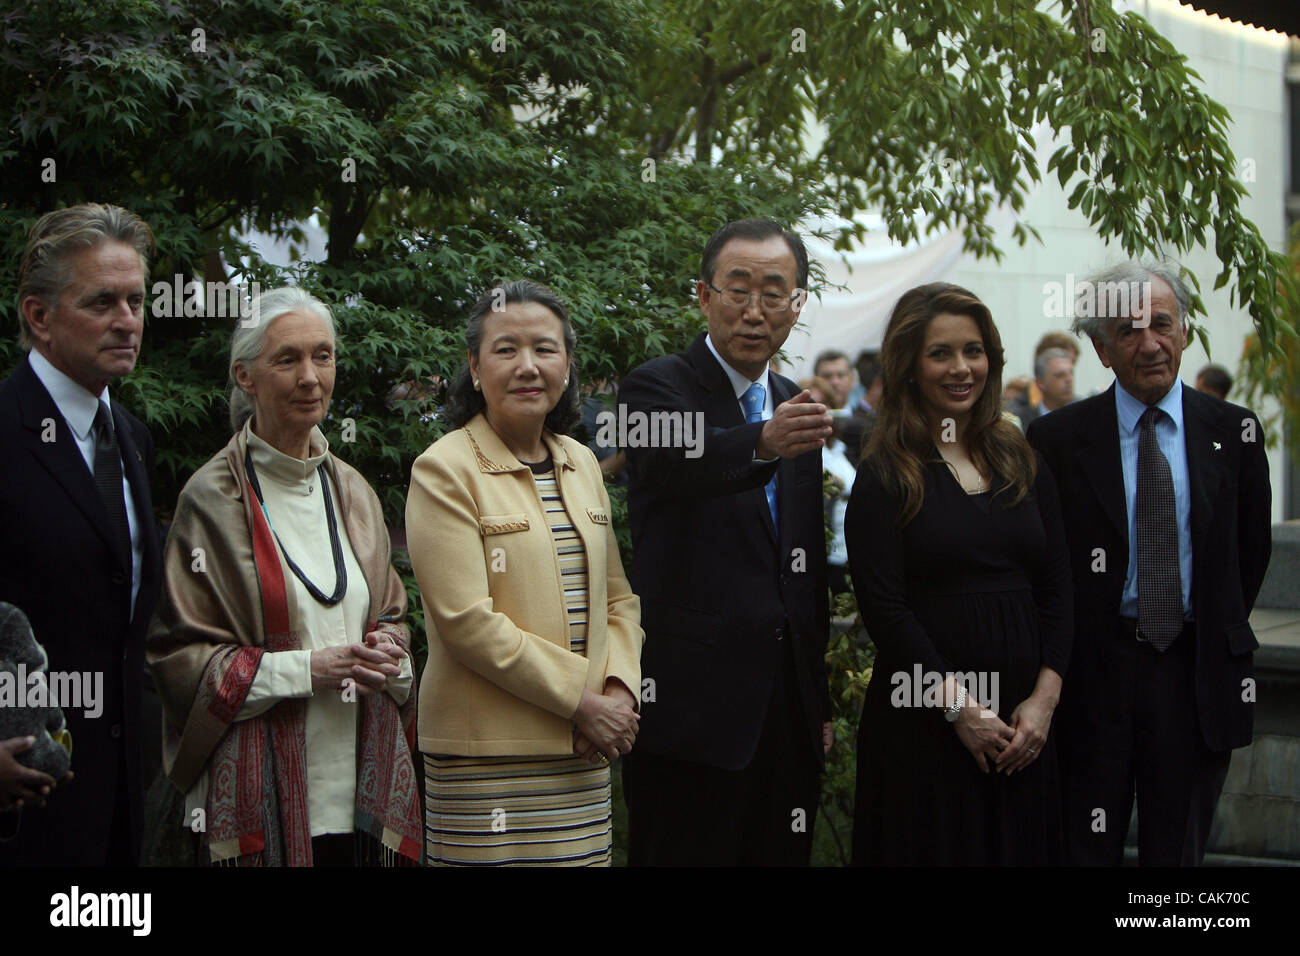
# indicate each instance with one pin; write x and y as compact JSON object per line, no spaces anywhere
{"x":731,"y":571}
{"x":1168,"y":515}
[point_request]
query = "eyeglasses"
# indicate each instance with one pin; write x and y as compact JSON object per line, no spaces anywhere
{"x":767,"y":301}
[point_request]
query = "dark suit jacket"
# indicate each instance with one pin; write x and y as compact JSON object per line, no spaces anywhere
{"x":60,"y":566}
{"x":1231,"y":542}
{"x":1028,"y":414}
{"x":719,"y":593}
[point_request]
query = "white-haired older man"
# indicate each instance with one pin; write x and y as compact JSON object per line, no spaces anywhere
{"x":1166,"y":500}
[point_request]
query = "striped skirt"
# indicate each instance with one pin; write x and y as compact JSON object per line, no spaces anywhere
{"x":528,"y":811}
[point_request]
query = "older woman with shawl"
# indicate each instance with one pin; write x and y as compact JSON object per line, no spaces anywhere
{"x":278,"y":647}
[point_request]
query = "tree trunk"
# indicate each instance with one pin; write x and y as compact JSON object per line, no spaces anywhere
{"x":350,"y":204}
{"x":707,"y":114}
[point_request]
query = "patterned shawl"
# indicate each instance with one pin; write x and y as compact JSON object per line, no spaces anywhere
{"x":224,"y":604}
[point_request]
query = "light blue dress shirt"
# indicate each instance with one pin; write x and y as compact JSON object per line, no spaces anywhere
{"x":741,"y":382}
{"x":1173,"y":444}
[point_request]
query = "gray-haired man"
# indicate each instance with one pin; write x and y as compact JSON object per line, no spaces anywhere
{"x":1054,"y":375}
{"x":81,"y":553}
{"x":1166,"y":501}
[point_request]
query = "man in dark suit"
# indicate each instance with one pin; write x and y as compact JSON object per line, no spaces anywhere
{"x":81,"y":554}
{"x":1166,"y":500}
{"x":729,"y":560}
{"x":1054,"y":376}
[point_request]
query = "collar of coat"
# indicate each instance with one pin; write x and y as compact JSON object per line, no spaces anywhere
{"x":237,"y":447}
{"x":495,"y":458}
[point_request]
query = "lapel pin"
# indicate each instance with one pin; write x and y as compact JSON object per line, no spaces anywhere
{"x":1217,"y":446}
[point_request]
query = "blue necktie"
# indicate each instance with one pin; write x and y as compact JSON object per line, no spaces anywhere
{"x":752,"y":401}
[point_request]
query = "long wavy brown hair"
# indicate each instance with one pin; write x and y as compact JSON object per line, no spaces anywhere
{"x":901,"y":444}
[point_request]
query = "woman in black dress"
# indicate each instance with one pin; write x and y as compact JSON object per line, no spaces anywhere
{"x":958,"y":559}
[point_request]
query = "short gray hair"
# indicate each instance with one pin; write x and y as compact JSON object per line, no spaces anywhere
{"x":248,"y":341}
{"x":58,"y":235}
{"x":1040,"y":363}
{"x":1091,"y":312}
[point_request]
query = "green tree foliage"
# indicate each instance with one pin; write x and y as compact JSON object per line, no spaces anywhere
{"x":928,"y":111}
{"x":445,"y":145}
{"x":442,"y":146}
{"x":850,"y":658}
{"x":1276,"y":372}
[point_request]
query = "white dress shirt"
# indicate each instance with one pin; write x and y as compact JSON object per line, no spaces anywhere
{"x":837,"y":463}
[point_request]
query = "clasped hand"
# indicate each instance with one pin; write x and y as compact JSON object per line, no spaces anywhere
{"x":1001,"y":747}
{"x":983,"y":733}
{"x":1030,"y":721}
{"x":370,"y":666}
{"x":606,"y":723}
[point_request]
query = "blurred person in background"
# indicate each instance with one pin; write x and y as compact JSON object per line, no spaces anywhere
{"x":842,"y":472}
{"x":1054,"y":380}
{"x":833,"y":368}
{"x":1214,"y":380}
{"x":865,"y":396}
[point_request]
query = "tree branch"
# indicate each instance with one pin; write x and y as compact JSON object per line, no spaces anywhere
{"x":732,"y":73}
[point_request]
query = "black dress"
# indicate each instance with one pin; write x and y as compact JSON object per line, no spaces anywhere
{"x":969,"y":585}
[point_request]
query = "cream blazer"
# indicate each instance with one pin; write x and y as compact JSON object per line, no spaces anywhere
{"x":500,"y":678}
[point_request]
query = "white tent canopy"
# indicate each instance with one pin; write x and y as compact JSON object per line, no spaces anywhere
{"x":875,"y":274}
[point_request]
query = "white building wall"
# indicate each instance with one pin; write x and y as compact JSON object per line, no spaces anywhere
{"x":1243,"y":69}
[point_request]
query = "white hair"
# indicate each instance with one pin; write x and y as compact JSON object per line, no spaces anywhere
{"x":1091,"y":309}
{"x":249,"y":340}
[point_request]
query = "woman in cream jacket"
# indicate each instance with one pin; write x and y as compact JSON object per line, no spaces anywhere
{"x":534,"y":634}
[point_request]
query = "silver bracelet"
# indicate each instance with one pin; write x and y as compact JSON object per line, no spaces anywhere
{"x":953,"y":712}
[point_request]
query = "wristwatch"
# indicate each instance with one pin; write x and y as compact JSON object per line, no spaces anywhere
{"x":953,"y":712}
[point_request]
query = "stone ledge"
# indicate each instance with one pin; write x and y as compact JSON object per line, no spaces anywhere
{"x":1281,"y":587}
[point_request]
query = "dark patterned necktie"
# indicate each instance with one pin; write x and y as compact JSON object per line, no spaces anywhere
{"x":108,"y":477}
{"x":1159,"y":581}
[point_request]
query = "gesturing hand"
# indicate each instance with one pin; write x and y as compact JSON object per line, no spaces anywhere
{"x":796,"y":426}
{"x":607,"y":723}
